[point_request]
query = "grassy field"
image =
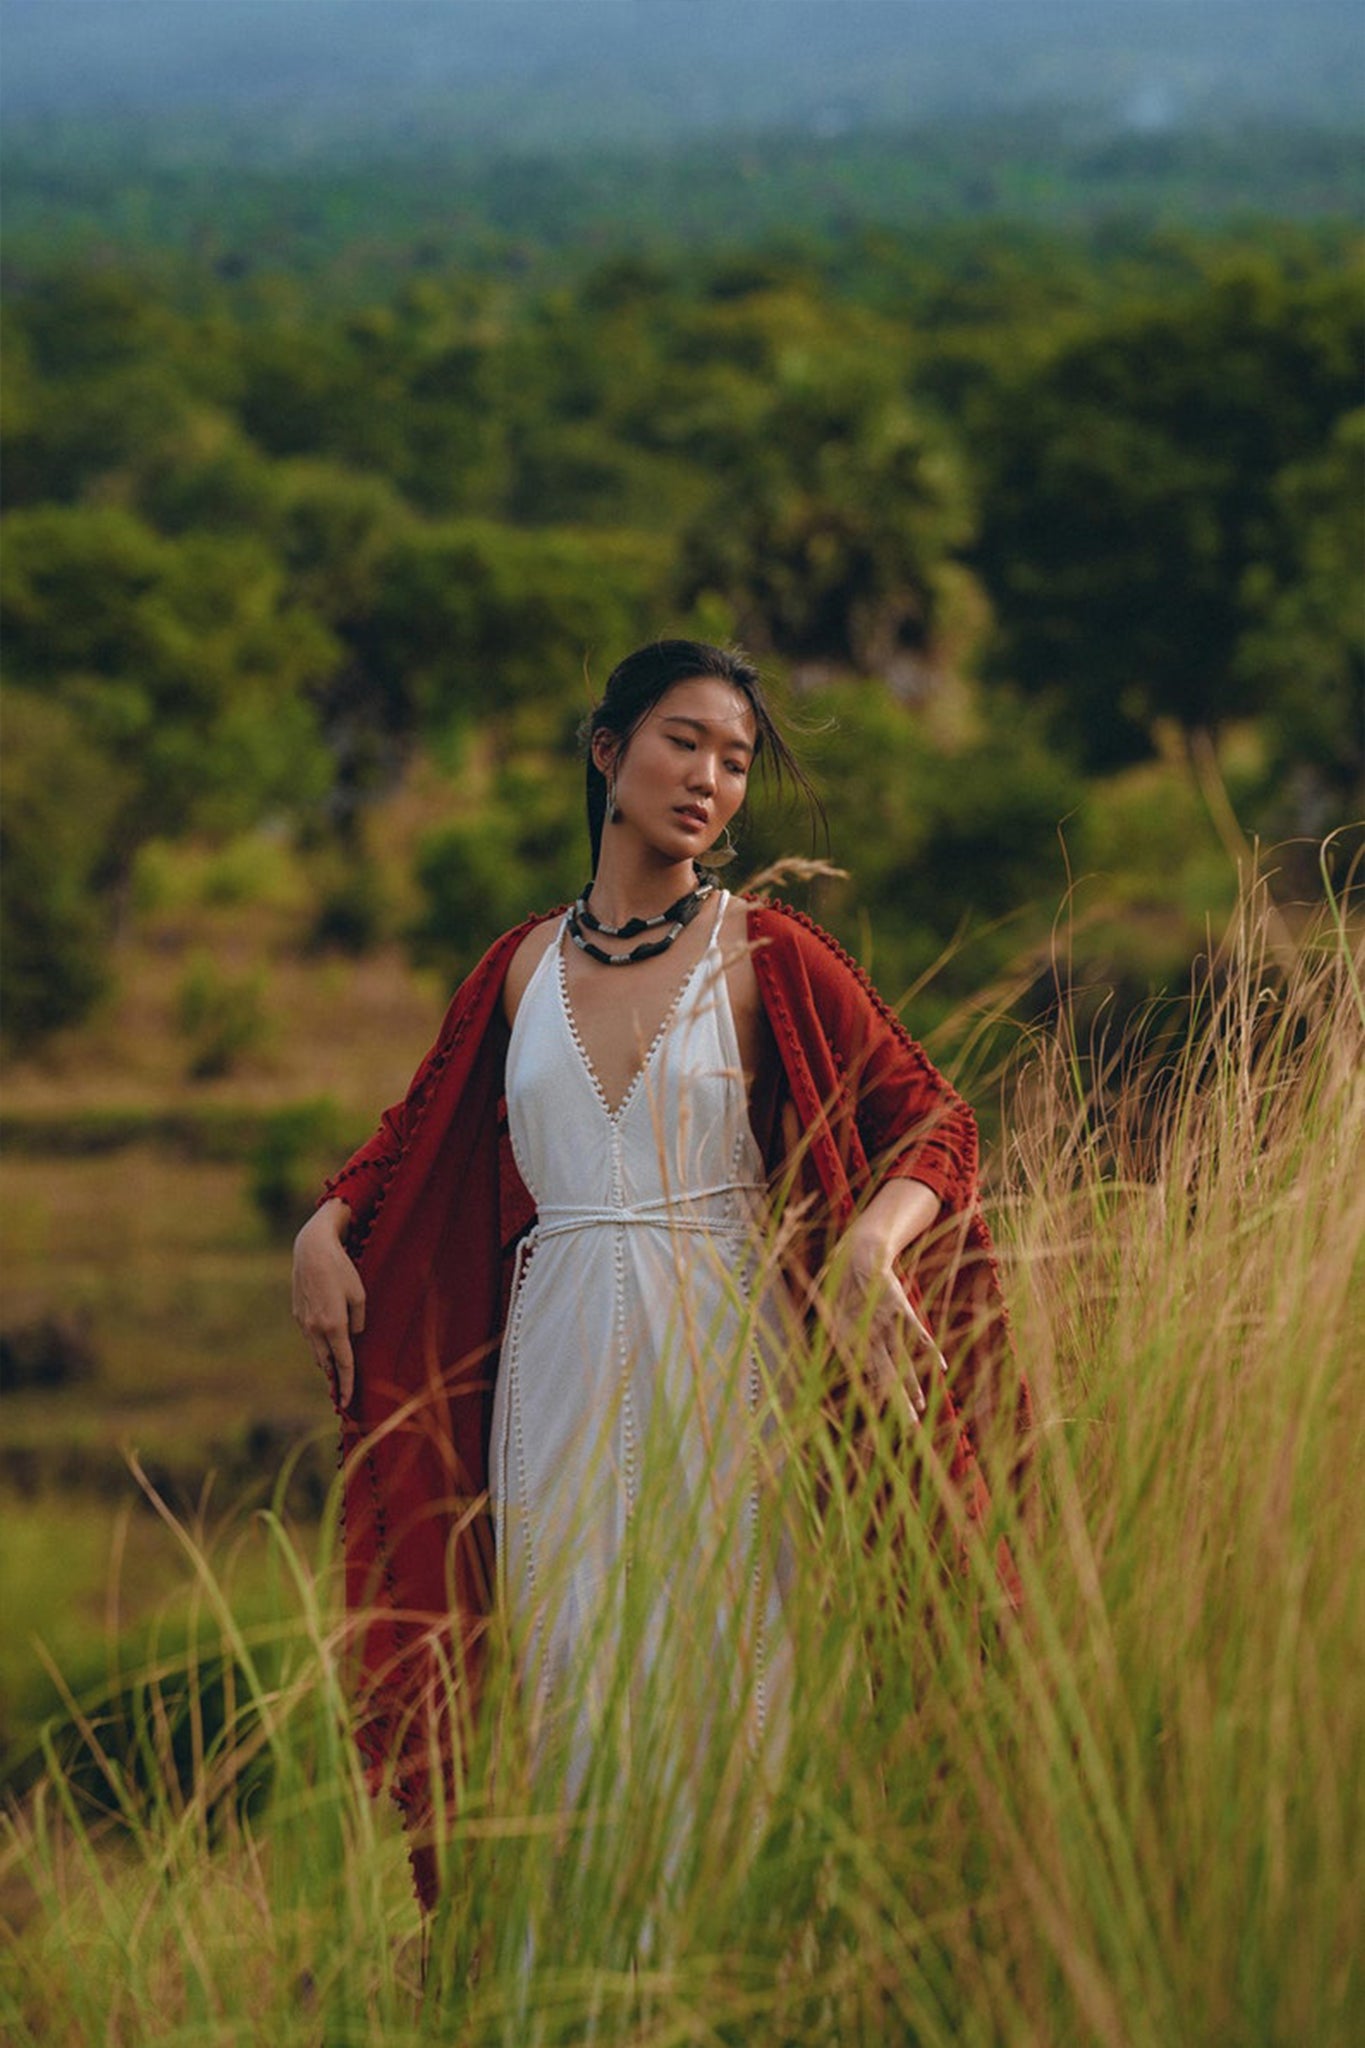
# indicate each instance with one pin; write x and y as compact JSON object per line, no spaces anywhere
{"x":126,"y":1192}
{"x":1134,"y":1818}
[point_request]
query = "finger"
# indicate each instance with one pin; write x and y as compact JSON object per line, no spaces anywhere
{"x":893,"y":1380}
{"x":907,"y":1395}
{"x":902,"y":1376}
{"x":881,"y":1369}
{"x":907,"y":1340}
{"x":924,"y":1336}
{"x":842,"y":1339}
{"x":908,"y":1389}
{"x":340,"y":1370}
{"x":327,"y":1364}
{"x":355,"y":1312}
{"x":342,"y":1354}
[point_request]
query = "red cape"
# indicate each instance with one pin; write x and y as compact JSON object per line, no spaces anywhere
{"x":437,"y":1207}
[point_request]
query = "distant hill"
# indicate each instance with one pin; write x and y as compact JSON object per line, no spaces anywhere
{"x":289,"y":81}
{"x":281,"y":133}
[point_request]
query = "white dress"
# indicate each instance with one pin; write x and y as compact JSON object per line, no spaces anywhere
{"x":636,"y":1355}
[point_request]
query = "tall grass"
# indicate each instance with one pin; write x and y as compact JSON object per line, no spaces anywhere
{"x":1132,"y":1817}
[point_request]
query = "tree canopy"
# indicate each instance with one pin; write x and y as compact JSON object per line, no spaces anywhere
{"x":1001,"y":513}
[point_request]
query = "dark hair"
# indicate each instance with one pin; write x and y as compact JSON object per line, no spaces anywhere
{"x":635,"y":686}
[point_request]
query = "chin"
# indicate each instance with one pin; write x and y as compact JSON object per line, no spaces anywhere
{"x":681,"y":845}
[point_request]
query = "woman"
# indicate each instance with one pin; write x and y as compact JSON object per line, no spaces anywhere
{"x":491,"y":1282}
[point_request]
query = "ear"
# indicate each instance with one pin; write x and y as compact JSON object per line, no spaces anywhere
{"x":605,"y":747}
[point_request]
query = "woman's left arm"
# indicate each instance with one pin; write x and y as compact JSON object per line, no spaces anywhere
{"x":920,"y":1142}
{"x":894,"y":1145}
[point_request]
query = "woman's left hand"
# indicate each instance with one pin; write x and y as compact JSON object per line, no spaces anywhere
{"x":890,"y":1354}
{"x":877,"y":1334}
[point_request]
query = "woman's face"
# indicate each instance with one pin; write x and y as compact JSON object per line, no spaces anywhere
{"x":684,"y":771}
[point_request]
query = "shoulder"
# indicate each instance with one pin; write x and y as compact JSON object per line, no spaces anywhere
{"x":526,"y":948}
{"x":787,"y":942}
{"x":821,"y":1001}
{"x":803,"y":971}
{"x":777,"y":924}
{"x":480,"y":995}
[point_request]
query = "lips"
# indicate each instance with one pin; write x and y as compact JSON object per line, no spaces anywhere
{"x":691,"y":814}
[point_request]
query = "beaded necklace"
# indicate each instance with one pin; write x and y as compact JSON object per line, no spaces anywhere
{"x":677,"y":917}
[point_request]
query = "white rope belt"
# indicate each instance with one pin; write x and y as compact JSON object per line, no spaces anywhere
{"x":663,"y":1212}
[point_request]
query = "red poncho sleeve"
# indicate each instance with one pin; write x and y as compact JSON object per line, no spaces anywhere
{"x":870,"y":1104}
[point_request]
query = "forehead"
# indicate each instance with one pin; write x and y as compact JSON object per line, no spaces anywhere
{"x":709,"y":701}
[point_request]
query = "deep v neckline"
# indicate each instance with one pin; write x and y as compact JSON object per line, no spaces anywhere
{"x":614,"y":1116}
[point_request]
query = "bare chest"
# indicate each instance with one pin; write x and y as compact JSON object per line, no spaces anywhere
{"x":620,"y":1013}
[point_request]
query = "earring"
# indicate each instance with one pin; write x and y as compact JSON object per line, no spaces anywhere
{"x":722,"y":853}
{"x":613,"y":815}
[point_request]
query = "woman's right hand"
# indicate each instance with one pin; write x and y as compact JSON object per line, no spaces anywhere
{"x":329,"y":1295}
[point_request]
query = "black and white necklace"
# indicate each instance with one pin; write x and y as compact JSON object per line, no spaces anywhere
{"x":677,"y":917}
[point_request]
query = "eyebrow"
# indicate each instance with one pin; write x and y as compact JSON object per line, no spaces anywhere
{"x":704,"y":725}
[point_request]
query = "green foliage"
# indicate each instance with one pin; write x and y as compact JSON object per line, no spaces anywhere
{"x":489,"y":869}
{"x":59,"y":797}
{"x":286,"y":1167}
{"x":259,"y":868}
{"x":474,"y":620}
{"x":1304,"y":648}
{"x":333,"y":528}
{"x":355,"y":225}
{"x":1139,"y":485}
{"x":266,"y":542}
{"x":949,"y":846}
{"x":831,"y":529}
{"x":222,"y":1016}
{"x":181,"y":660}
{"x":156,"y":687}
{"x":351,"y":908}
{"x":101,"y":375}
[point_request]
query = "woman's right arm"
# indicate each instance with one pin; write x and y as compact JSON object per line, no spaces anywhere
{"x":329,"y":1295}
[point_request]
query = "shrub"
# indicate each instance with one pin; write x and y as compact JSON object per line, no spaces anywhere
{"x":286,"y":1165}
{"x":53,"y":1351}
{"x":223,"y":1018}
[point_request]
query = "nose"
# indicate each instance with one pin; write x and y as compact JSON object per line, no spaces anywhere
{"x":703,"y":773}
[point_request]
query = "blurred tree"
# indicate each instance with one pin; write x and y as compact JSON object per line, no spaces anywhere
{"x":264,"y":547}
{"x":58,"y":798}
{"x":1134,"y":497}
{"x":181,"y":661}
{"x":832,"y":533}
{"x":203,"y":474}
{"x":101,"y":371}
{"x":472,"y":619}
{"x":333,"y":530}
{"x":523,"y":849}
{"x":409,"y":391}
{"x":1303,"y":649}
{"x":303,"y":393}
{"x":946,"y":845}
